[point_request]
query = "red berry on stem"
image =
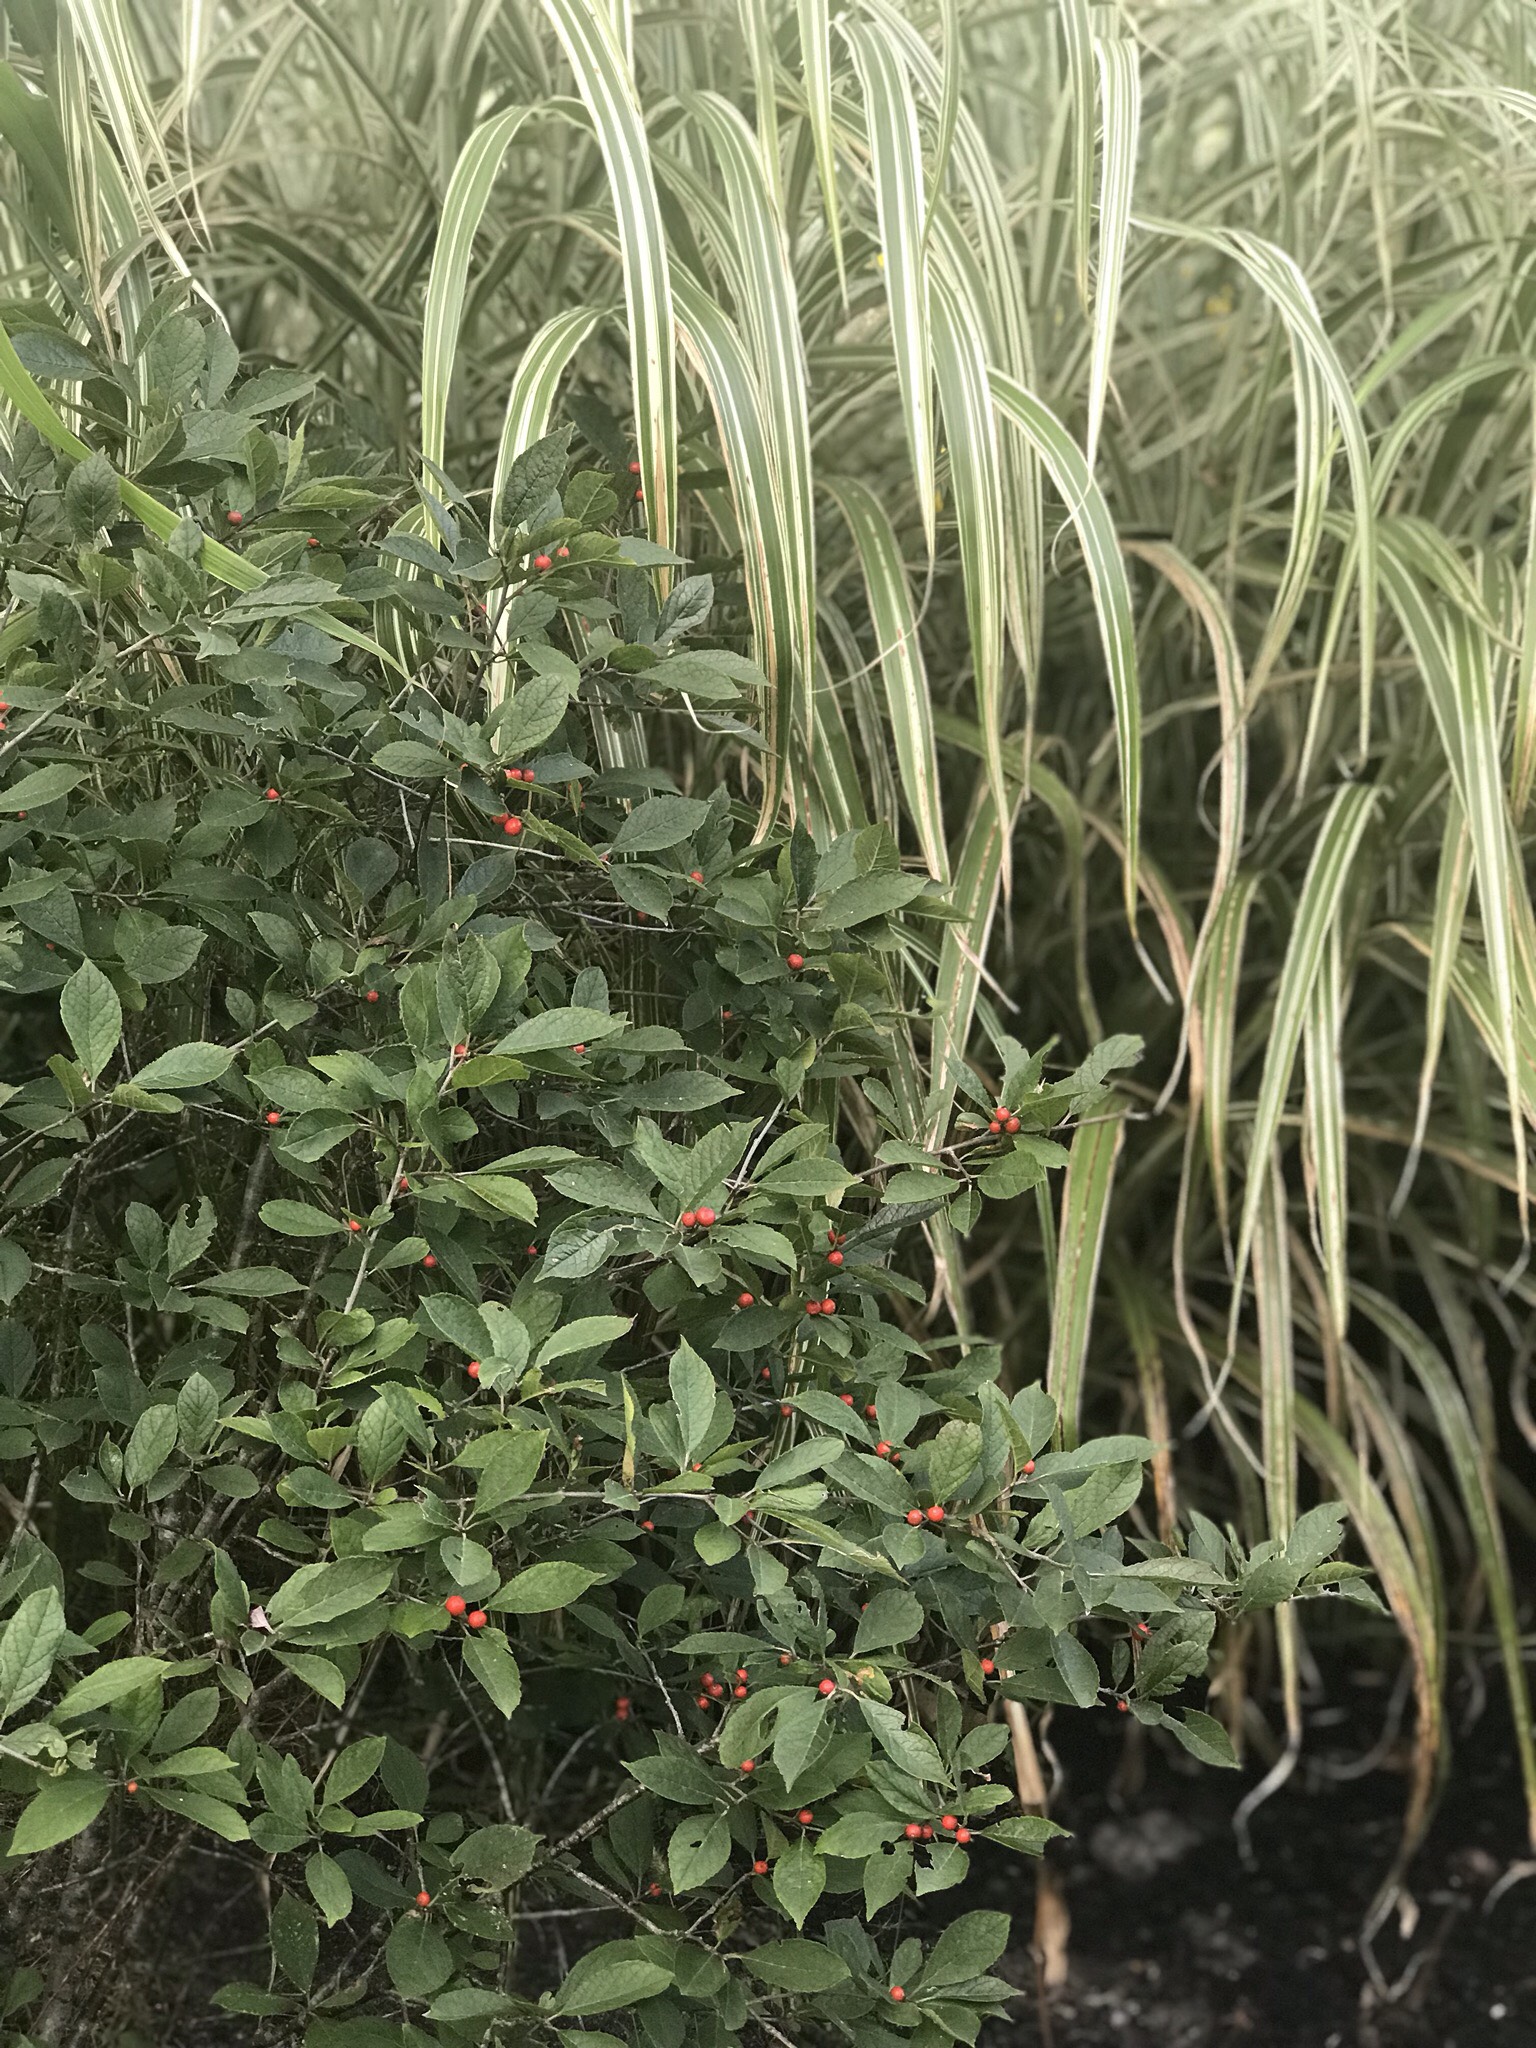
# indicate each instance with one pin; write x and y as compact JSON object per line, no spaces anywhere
{"x":1123,"y":1706}
{"x":749,"y":1764}
{"x":430,"y":1261}
{"x":913,"y":1831}
{"x":648,"y":1525}
{"x":372,"y":996}
{"x":312,"y":542}
{"x":949,"y":1820}
{"x":274,"y":796}
{"x":456,"y":1604}
{"x":760,"y":1866}
{"x":871,"y":1410}
{"x":962,"y":1836}
{"x":914,"y":1516}
{"x":794,"y":962}
{"x":695,"y":874}
{"x":738,"y":1692}
{"x":274,"y":1116}
{"x":578,"y":1050}
{"x":827,"y":1687}
{"x":785,"y":1657}
{"x":987,"y":1667}
{"x":634,"y":469}
{"x":994,"y":1127}
{"x":235,"y":518}
{"x":834,"y":1258}
{"x":1011,"y":1126}
{"x":423,"y":1898}
{"x":541,"y":562}
{"x":805,"y":1816}
{"x":897,"y":1993}
{"x":132,"y":1785}
{"x":477,"y":1617}
{"x":745,"y":1300}
{"x":828,"y":1306}
{"x":1029,"y":1466}
{"x":563,"y":553}
{"x":935,"y":1513}
{"x":473,"y":1368}
{"x":353,"y":1224}
{"x":512,"y":827}
{"x":846,"y":1399}
{"x":706,"y":1217}
{"x":927,"y":1833}
{"x":813,"y":1308}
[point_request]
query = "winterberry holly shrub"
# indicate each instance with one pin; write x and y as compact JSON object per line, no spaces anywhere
{"x":476,"y":1441}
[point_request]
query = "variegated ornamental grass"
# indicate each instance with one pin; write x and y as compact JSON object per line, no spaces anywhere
{"x":1112,"y":434}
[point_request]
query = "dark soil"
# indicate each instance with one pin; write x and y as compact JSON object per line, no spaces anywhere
{"x":1177,"y":1943}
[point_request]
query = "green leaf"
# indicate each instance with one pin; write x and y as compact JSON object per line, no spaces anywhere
{"x":798,"y":1731}
{"x":498,"y":1856}
{"x":354,"y":1767}
{"x":381,"y":1440}
{"x":410,"y":758}
{"x":295,"y":1940}
{"x":534,"y":712}
{"x":28,"y":1647}
{"x":329,"y":1887}
{"x":858,"y":1834}
{"x":110,"y":1683}
{"x":796,"y":1965}
{"x":92,"y":497}
{"x":92,"y":1016}
{"x":693,"y":1391}
{"x":197,"y":1412}
{"x":186,"y":1066}
{"x":300,"y":1219}
{"x":615,"y":1974}
{"x":60,"y":1810}
{"x":493,"y":1664}
{"x":587,"y":1333}
{"x":544,"y":1587}
{"x":660,"y":822}
{"x":418,"y":1959}
{"x":559,"y":1030}
{"x":42,"y":786}
{"x":699,"y":1848}
{"x":967,"y":1948}
{"x":893,"y":1616}
{"x":151,"y":1443}
{"x":799,"y":1879}
{"x":320,"y":1592}
{"x":1204,"y":1737}
{"x":1026,"y":1832}
{"x":531,"y":479}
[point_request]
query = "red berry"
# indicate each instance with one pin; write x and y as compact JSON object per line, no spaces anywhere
{"x":794,"y":962}
{"x":897,"y":1993}
{"x":927,"y":1833}
{"x":455,"y":1604}
{"x":274,"y":796}
{"x":639,"y":490}
{"x":749,"y":1764}
{"x":423,"y":1898}
{"x":703,"y":1699}
{"x":274,"y":1116}
{"x":846,"y":1399}
{"x":473,"y":1368}
{"x":913,"y":1831}
{"x":477,"y":1617}
{"x":1123,"y":1706}
{"x":132,"y":1785}
{"x":648,"y":1526}
{"x":962,"y":1836}
{"x":460,"y":1050}
{"x":765,"y":1372}
{"x":987,"y":1667}
{"x":784,"y":1409}
{"x":634,"y":469}
{"x":834,"y":1258}
{"x":994,"y":1127}
{"x":828,"y":1306}
{"x":541,"y":562}
{"x":745,"y":1300}
{"x":512,"y":827}
{"x":935,"y":1513}
{"x":312,"y":542}
{"x":871,"y":1410}
{"x":706,"y":1217}
{"x":578,"y":1050}
{"x":827,"y":1687}
{"x":695,"y":874}
{"x":741,"y":1670}
{"x":1011,"y":1125}
{"x":738,"y":1692}
{"x":785,"y":1657}
{"x":430,"y":1261}
{"x":564,"y":555}
{"x":813,"y":1308}
{"x":235,"y":518}
{"x":949,"y":1820}
{"x":533,"y":1251}
{"x":724,"y":1013}
{"x":372,"y":996}
{"x":805,"y":1816}
{"x":1142,"y":1629}
{"x":914,"y":1516}
{"x":653,"y":1891}
{"x":1029,"y":1466}
{"x":621,"y":1706}
{"x":688,"y":1219}
{"x":353,"y":1224}
{"x":760,"y":1866}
